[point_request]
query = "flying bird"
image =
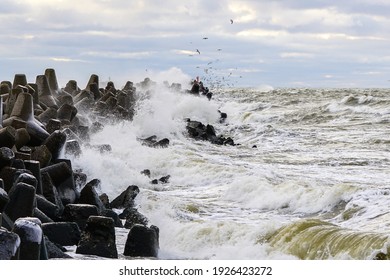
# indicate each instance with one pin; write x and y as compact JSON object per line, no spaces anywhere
{"x":205,"y":38}
{"x":197,"y":51}
{"x":231,"y":21}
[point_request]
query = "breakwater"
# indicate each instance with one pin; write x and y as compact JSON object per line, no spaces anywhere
{"x":45,"y":203}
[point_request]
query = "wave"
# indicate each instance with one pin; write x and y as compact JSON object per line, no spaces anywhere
{"x":316,"y":239}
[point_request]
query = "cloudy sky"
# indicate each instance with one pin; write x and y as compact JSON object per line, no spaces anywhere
{"x":282,"y":43}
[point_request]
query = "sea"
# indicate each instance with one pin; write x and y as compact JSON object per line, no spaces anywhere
{"x":307,"y":179}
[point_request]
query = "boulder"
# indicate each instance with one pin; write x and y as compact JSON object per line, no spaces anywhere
{"x":98,"y":238}
{"x":49,"y":208}
{"x":4,"y":199}
{"x":62,"y":233}
{"x":6,"y":156}
{"x":133,"y":217}
{"x":113,"y":215}
{"x":30,"y":234}
{"x":89,"y":195}
{"x":126,"y":198}
{"x":142,"y":241}
{"x":79,"y":213}
{"x":9,"y":245}
{"x":55,"y":251}
{"x":21,"y":201}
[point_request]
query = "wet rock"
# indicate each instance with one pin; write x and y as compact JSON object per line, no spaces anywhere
{"x":55,"y":143}
{"x":48,"y":208}
{"x":142,"y":241}
{"x":79,"y":213}
{"x":126,"y":198}
{"x":4,"y":199}
{"x":9,"y":245}
{"x":55,"y":251}
{"x":199,"y":131}
{"x":7,"y":136}
{"x":133,"y":217}
{"x":61,"y":174}
{"x":21,"y":201}
{"x":152,"y":141}
{"x":89,"y":195}
{"x":50,"y":192}
{"x":98,"y":238}
{"x":6,"y":157}
{"x":62,"y":233}
{"x":30,"y":234}
{"x":113,"y":215}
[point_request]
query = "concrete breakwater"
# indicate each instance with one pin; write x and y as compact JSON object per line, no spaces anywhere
{"x":45,"y":204}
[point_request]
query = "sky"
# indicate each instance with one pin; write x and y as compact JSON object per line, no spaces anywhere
{"x":241,"y":43}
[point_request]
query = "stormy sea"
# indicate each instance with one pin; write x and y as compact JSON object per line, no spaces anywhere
{"x":306,"y":178}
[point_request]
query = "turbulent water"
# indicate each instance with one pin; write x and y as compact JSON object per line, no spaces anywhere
{"x":308,"y":178}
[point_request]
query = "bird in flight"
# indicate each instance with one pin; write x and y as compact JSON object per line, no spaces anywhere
{"x":205,"y":38}
{"x":197,"y":51}
{"x":231,"y":21}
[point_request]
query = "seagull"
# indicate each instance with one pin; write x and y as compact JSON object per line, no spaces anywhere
{"x":205,"y":38}
{"x":231,"y":21}
{"x":197,"y":51}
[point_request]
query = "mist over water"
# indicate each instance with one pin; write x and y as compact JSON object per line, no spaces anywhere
{"x":308,"y":178}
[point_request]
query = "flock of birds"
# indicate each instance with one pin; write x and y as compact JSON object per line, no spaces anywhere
{"x":212,"y":76}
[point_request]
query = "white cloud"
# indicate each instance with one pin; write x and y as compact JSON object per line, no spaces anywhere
{"x":266,"y":36}
{"x":296,"y":55}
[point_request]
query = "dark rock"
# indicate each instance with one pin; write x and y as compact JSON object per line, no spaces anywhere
{"x":30,"y":234}
{"x":199,"y":131}
{"x":55,"y":143}
{"x":41,"y":154}
{"x":47,"y":115}
{"x":54,"y":251}
{"x":165,"y":179}
{"x":151,"y":141}
{"x":98,"y":238}
{"x":79,"y":213}
{"x":126,"y":198}
{"x":53,"y":125}
{"x":7,"y":136}
{"x":133,"y":217}
{"x":35,"y":168}
{"x":41,"y":216}
{"x":61,"y":174}
{"x":112,"y":214}
{"x":105,"y":200}
{"x":146,"y":172}
{"x":89,"y":195}
{"x":6,"y":222}
{"x":163,"y":143}
{"x":22,"y":201}
{"x":4,"y":199}
{"x":50,"y":192}
{"x":18,"y":163}
{"x":9,"y":245}
{"x":142,"y":242}
{"x":6,"y":156}
{"x":62,"y":233}
{"x":7,"y":175}
{"x":48,"y":208}
{"x":27,"y":178}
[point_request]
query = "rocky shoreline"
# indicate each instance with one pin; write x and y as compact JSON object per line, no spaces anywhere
{"x":45,"y":204}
